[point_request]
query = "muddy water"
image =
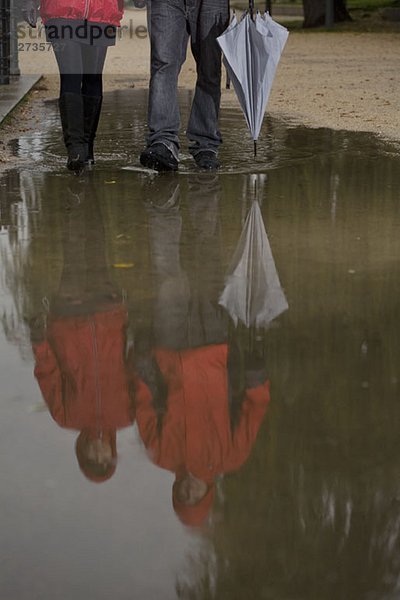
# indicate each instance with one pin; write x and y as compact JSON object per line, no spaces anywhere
{"x":303,"y":498}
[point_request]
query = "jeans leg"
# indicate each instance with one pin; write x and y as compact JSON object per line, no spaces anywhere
{"x":169,"y":38}
{"x":207,"y":321}
{"x":172,"y":294}
{"x":211,"y":21}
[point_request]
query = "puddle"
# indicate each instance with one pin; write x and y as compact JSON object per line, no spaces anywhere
{"x":123,"y":130}
{"x":113,"y":280}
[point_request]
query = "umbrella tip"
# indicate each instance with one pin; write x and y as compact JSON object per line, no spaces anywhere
{"x":255,"y":147}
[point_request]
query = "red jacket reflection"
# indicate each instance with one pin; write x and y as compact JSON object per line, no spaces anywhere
{"x":81,"y":371}
{"x":196,"y":435}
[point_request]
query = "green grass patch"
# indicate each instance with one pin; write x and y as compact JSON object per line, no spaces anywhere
{"x":371,"y":4}
{"x":366,"y":15}
{"x":351,"y":4}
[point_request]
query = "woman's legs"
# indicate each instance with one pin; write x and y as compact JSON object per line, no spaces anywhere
{"x":81,"y":92}
{"x":93,"y":59}
{"x":80,"y":66}
{"x":71,"y":84}
{"x":92,"y":92}
{"x":69,"y":60}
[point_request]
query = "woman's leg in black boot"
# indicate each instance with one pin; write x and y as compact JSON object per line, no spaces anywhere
{"x":71,"y":112}
{"x":69,"y":60}
{"x":92,"y":92}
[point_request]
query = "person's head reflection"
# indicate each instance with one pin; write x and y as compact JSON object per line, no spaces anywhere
{"x":80,"y":346}
{"x":97,"y":454}
{"x":192,"y":499}
{"x":196,"y":417}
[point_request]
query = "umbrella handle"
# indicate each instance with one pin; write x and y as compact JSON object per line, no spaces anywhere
{"x":251,"y":8}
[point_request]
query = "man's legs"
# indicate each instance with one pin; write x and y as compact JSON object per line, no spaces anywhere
{"x":210,"y":21}
{"x":169,"y":38}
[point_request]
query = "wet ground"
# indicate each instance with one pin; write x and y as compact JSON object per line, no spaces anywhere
{"x":112,"y":281}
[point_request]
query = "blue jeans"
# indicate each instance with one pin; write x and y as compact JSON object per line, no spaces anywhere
{"x":172,"y":22}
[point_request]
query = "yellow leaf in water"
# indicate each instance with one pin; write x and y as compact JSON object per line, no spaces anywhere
{"x":123,"y":265}
{"x":110,"y":182}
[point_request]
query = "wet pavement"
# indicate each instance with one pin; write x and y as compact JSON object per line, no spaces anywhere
{"x":12,"y":93}
{"x":143,"y":458}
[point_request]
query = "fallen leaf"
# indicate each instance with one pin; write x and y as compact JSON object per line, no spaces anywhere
{"x":123,"y":265}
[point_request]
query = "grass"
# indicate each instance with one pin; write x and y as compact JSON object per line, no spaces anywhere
{"x":360,"y":24}
{"x":370,"y":5}
{"x":366,"y":15}
{"x":364,"y":4}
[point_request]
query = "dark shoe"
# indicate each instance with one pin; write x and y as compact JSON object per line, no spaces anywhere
{"x":71,"y":112}
{"x":159,"y":157}
{"x":91,"y":115}
{"x":76,"y":160}
{"x":207,"y":160}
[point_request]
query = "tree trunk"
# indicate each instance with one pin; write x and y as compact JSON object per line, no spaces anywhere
{"x":314,"y":12}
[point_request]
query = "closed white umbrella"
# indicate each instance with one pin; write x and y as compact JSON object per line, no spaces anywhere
{"x":252,"y":48}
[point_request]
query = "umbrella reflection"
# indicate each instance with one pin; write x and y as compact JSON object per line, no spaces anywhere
{"x":196,"y":417}
{"x":253,"y":294}
{"x":79,"y":342}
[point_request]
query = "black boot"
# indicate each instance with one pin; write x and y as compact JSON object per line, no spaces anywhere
{"x":71,"y":112}
{"x":91,"y":111}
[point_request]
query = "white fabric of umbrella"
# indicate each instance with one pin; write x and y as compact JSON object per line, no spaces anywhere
{"x":252,"y":50}
{"x":253,"y":293}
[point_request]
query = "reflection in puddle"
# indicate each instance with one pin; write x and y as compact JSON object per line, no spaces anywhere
{"x":200,"y":396}
{"x":252,"y":294}
{"x":114,"y":282}
{"x":79,"y":341}
{"x":116,"y":294}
